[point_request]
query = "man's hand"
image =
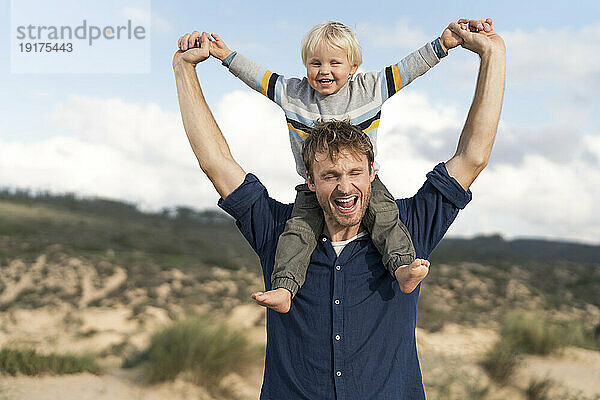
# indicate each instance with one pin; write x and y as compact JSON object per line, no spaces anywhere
{"x":189,"y":50}
{"x":218,"y":48}
{"x":450,"y":39}
{"x":476,"y":36}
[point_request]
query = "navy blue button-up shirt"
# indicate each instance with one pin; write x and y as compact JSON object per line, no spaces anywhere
{"x":350,"y":333}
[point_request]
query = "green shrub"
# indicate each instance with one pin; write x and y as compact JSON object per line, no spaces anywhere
{"x":29,"y":362}
{"x":531,"y":333}
{"x":501,"y":362}
{"x":198,"y":346}
{"x":539,"y":389}
{"x":430,"y":316}
{"x":574,"y":333}
{"x":448,"y":379}
{"x":569,"y":395}
{"x":457,"y":386}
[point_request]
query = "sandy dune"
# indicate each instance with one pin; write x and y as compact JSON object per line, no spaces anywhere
{"x":85,"y":310}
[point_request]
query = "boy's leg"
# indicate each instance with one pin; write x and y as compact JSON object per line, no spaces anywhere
{"x":388,"y":233}
{"x":294,"y":249}
{"x":298,"y":241}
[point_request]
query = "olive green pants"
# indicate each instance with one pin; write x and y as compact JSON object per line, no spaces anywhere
{"x":299,"y":238}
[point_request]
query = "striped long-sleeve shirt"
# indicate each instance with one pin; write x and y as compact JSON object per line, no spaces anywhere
{"x":360,"y":99}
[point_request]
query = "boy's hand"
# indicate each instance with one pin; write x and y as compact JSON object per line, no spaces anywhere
{"x":193,"y":48}
{"x":450,"y":39}
{"x":218,"y":48}
{"x":482,"y":42}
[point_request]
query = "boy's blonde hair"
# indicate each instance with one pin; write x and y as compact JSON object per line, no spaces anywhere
{"x":334,"y":34}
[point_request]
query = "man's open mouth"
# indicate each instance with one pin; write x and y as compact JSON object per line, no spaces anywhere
{"x":346,"y":205}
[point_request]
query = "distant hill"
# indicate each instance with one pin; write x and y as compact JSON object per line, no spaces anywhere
{"x":490,"y":248}
{"x":158,"y":231}
{"x":30,"y":222}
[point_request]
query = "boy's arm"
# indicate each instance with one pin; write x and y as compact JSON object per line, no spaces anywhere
{"x":397,"y":76}
{"x":251,"y":73}
{"x":420,"y":61}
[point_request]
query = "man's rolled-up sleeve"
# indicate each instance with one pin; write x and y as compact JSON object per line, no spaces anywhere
{"x":428,"y":214}
{"x":259,"y":217}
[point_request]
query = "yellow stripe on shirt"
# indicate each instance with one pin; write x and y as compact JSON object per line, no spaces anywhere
{"x":300,"y":133}
{"x":397,"y":78}
{"x":373,"y":125}
{"x":264,"y":85}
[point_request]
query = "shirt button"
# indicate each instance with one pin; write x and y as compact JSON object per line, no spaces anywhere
{"x":339,"y":373}
{"x":336,"y":301}
{"x":338,"y":267}
{"x":337,"y":337}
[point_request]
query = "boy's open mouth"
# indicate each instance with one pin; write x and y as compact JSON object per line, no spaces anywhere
{"x":325,"y":82}
{"x":346,"y":205}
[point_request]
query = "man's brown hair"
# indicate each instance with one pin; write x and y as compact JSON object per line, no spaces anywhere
{"x":333,"y":136}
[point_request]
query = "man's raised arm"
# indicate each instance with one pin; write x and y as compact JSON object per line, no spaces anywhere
{"x":202,"y":130}
{"x":477,"y":137}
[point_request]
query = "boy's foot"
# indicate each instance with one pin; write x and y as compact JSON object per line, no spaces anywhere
{"x":410,"y":275}
{"x":279,"y":299}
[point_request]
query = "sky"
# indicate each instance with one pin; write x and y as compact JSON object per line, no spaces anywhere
{"x":119,"y":134}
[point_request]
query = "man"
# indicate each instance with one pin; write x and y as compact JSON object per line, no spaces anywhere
{"x":351,"y":332}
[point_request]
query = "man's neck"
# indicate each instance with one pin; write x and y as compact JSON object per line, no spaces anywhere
{"x":339,"y":233}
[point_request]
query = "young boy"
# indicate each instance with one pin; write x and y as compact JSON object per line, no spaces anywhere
{"x":331,"y":90}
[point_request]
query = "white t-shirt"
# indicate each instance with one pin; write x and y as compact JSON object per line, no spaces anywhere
{"x":339,"y":246}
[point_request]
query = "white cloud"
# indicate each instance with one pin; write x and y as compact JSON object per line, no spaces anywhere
{"x":427,"y":129}
{"x":565,"y":62}
{"x":140,"y":153}
{"x":564,"y":57}
{"x":142,"y":132}
{"x":413,"y":110}
{"x":537,"y":198}
{"x":592,"y":144}
{"x":532,"y":195}
{"x":110,"y":149}
{"x":257,"y":134}
{"x":559,"y":143}
{"x":414,"y":135}
{"x":543,"y":191}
